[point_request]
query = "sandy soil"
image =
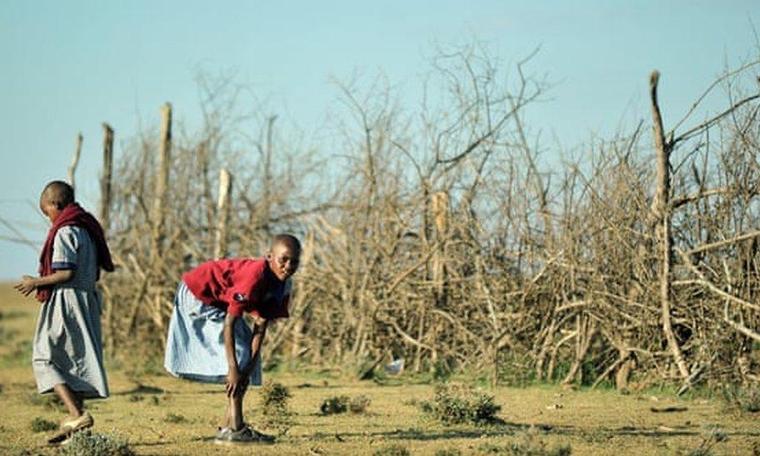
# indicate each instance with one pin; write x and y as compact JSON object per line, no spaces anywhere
{"x":165,"y":416}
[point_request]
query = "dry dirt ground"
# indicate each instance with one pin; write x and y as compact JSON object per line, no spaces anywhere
{"x":165,"y":416}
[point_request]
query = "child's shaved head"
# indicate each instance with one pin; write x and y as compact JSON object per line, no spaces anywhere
{"x":287,"y":240}
{"x":59,"y":193}
{"x":284,"y":256}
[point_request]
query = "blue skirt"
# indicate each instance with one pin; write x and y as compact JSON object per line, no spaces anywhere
{"x":195,"y":343}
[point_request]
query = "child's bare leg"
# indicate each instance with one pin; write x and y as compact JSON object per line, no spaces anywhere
{"x":70,"y":399}
{"x":226,"y":422}
{"x":234,"y":416}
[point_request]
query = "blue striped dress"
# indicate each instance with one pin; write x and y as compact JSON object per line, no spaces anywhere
{"x":195,"y":342}
{"x":68,"y":345}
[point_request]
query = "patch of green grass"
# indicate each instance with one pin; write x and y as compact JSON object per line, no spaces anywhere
{"x":88,"y":443}
{"x":492,"y":448}
{"x":392,"y":450}
{"x":175,"y":418}
{"x":449,"y":452}
{"x":595,"y":436}
{"x":341,"y":404}
{"x":359,"y":404}
{"x":457,"y":403}
{"x":334,"y":405}
{"x":526,"y":444}
{"x":40,"y":424}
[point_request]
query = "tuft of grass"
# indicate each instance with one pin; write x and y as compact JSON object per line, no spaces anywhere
{"x":334,"y":405}
{"x":527,"y":444}
{"x":492,"y":448}
{"x":274,"y":396}
{"x":359,"y":404}
{"x":392,"y":450}
{"x":449,"y":452}
{"x":341,"y":404}
{"x":274,"y":399}
{"x":40,"y":424}
{"x":174,"y":418}
{"x":88,"y":443}
{"x":456,"y":403}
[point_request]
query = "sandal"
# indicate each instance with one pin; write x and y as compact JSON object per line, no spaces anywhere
{"x":244,"y":436}
{"x":69,"y":427}
{"x":83,"y":422}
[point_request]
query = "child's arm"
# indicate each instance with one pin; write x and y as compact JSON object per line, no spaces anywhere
{"x":28,"y":283}
{"x":259,"y":331}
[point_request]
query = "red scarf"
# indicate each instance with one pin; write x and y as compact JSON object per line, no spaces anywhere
{"x":73,"y":214}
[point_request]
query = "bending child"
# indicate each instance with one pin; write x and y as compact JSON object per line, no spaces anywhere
{"x":67,"y":353}
{"x":209,"y":340}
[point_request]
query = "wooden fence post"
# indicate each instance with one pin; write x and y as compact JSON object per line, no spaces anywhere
{"x":223,"y":213}
{"x":662,"y":210}
{"x":75,"y":159}
{"x":440,"y":207}
{"x":158,"y":222}
{"x":105,"y":178}
{"x":162,"y":183}
{"x":105,"y":217}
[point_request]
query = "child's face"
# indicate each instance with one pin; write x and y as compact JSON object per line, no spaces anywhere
{"x":49,"y":208}
{"x":283,"y":261}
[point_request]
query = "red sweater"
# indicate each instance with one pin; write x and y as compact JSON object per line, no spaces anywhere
{"x":239,"y":285}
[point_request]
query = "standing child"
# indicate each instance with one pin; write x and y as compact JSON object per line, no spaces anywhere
{"x":67,"y":355}
{"x":209,"y":341}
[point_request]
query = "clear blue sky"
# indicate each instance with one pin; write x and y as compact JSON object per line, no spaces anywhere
{"x":67,"y":66}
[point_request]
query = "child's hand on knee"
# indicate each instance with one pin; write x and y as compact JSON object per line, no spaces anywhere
{"x":236,"y":383}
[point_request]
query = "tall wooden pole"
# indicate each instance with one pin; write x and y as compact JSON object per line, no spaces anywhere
{"x":223,"y":214}
{"x":440,"y":207}
{"x":662,"y":210}
{"x":105,"y":178}
{"x":105,"y":221}
{"x":162,"y":182}
{"x":158,"y":216}
{"x":75,"y":159}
